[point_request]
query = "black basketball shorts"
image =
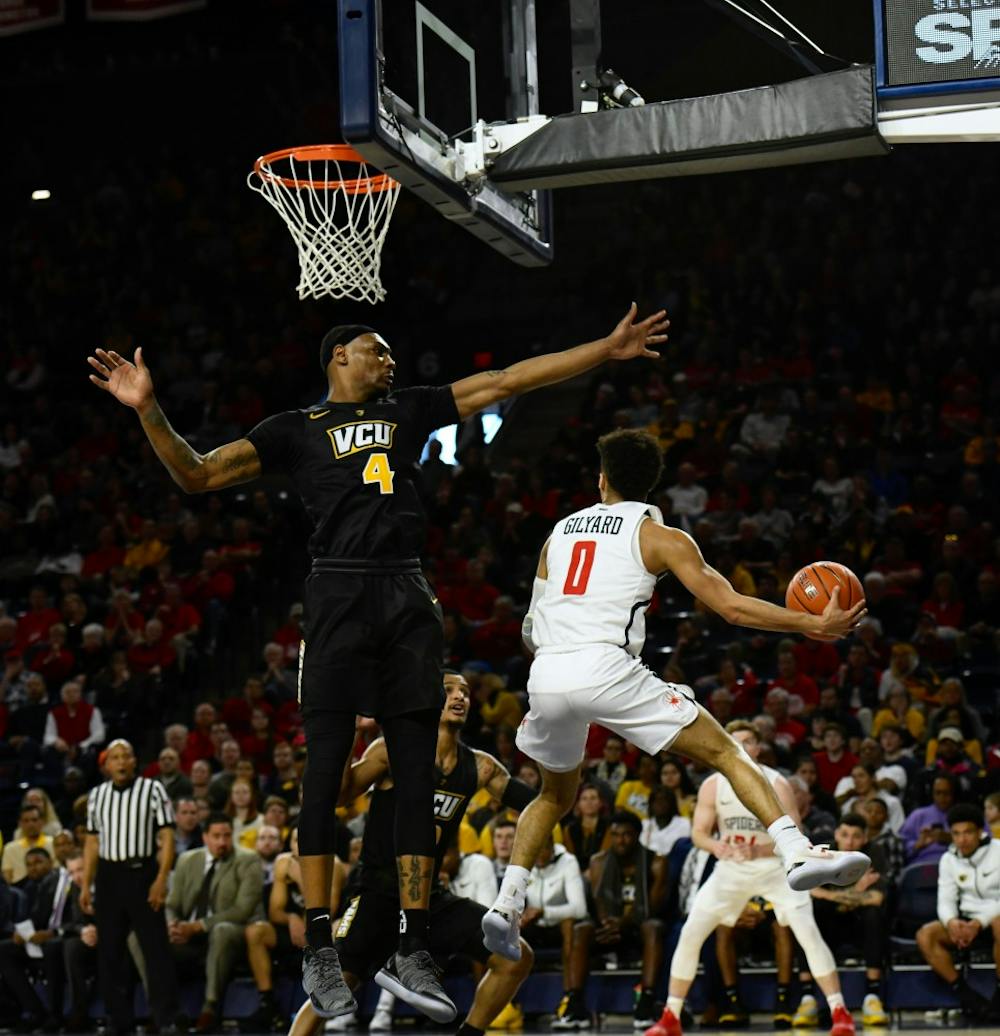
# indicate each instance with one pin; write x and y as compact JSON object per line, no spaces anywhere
{"x":372,"y":644}
{"x":368,"y":933}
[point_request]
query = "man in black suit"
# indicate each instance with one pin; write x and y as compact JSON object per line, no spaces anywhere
{"x":60,"y":927}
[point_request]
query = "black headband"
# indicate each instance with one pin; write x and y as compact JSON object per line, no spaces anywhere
{"x":340,"y":335}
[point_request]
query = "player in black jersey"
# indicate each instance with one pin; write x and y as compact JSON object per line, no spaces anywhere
{"x":366,"y":933}
{"x":373,"y":636}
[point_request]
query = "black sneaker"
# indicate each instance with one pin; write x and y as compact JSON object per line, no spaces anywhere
{"x":784,"y":1012}
{"x":571,"y":1013}
{"x":324,"y":983}
{"x":415,"y":978}
{"x":645,"y":1013}
{"x":733,"y":1014}
{"x":267,"y":1018}
{"x":974,"y":1006}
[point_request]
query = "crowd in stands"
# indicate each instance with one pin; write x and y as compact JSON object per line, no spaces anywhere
{"x":824,"y":395}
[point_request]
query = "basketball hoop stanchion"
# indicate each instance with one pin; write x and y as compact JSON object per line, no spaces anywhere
{"x":337,"y":209}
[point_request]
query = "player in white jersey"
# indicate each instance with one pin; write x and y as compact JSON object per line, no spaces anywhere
{"x":746,"y":867}
{"x":586,"y":625}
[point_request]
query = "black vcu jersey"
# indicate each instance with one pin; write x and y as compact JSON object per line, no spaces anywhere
{"x":372,"y":626}
{"x":452,"y":792}
{"x":368,"y":931}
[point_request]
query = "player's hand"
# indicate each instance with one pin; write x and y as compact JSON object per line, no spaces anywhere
{"x":129,"y":383}
{"x":297,"y":931}
{"x":629,"y":340}
{"x":865,"y":882}
{"x":835,"y":621}
{"x":530,"y":916}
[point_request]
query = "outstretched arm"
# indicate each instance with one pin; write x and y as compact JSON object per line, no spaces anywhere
{"x":666,"y":549}
{"x":132,"y":384}
{"x":627,"y":341}
{"x":371,"y":768}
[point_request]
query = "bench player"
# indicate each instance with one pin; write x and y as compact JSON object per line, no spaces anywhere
{"x":367,"y":931}
{"x":746,"y":867}
{"x":373,"y":637}
{"x":586,"y":625}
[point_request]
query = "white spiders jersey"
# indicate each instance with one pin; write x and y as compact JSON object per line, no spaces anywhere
{"x":597,"y":590}
{"x":736,"y":823}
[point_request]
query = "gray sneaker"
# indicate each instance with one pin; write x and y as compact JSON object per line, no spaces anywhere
{"x":416,"y":979}
{"x":324,"y":983}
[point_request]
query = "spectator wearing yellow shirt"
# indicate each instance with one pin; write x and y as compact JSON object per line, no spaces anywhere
{"x":498,"y":707}
{"x":12,"y":863}
{"x":992,"y":810}
{"x":148,"y":551}
{"x":634,"y":795}
{"x":668,"y":429}
{"x":898,"y":711}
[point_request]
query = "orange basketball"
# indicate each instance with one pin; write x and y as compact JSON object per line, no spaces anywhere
{"x":809,"y":589}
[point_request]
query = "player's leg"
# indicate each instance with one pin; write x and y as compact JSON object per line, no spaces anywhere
{"x":705,"y":741}
{"x":307,"y":1022}
{"x":336,"y":681}
{"x":684,"y":966}
{"x":555,"y":737}
{"x":784,"y":959}
{"x":733,"y":1013}
{"x":261,"y":940}
{"x":329,"y":737}
{"x":498,"y":986}
{"x":821,"y":964}
{"x":501,"y":926}
{"x":410,"y":700}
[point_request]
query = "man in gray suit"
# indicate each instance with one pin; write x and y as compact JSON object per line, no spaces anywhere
{"x":216,"y":893}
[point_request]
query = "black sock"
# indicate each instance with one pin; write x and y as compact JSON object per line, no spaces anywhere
{"x":319,"y":935}
{"x":808,"y":988}
{"x":957,"y":984}
{"x":783,"y":991}
{"x":732,"y":993}
{"x":414,"y":931}
{"x":647,"y":990}
{"x":266,"y":997}
{"x":465,"y":1029}
{"x":873,"y":985}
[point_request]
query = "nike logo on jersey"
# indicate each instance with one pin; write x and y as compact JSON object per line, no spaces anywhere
{"x":322,"y":413}
{"x":360,"y":435}
{"x":602,"y":523}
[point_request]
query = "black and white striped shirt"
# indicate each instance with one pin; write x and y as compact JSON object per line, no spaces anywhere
{"x":126,"y":819}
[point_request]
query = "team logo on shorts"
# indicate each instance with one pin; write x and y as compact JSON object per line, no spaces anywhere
{"x":674,"y":700}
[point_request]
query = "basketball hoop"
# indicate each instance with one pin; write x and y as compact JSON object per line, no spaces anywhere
{"x":337,"y":210}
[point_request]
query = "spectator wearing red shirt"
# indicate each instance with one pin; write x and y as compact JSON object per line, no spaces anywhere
{"x":124,"y":621}
{"x":236,"y":711}
{"x":289,"y":636}
{"x":788,"y":732}
{"x":181,"y":621}
{"x":241,"y":553}
{"x":945,"y":604}
{"x":474,"y":599}
{"x":151,"y":654}
{"x":818,"y":659}
{"x":499,"y":638}
{"x":258,"y":745}
{"x":794,"y":682}
{"x":33,"y":625}
{"x":210,"y":584}
{"x":199,"y":744}
{"x":104,"y":556}
{"x":73,"y":727}
{"x":835,"y":761}
{"x":52,"y":658}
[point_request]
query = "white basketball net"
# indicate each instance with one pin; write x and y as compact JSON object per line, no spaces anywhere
{"x":337,"y":209}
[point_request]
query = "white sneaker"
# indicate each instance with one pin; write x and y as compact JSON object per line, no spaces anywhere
{"x":502,"y":931}
{"x":819,"y":865}
{"x":381,"y":1021}
{"x":344,"y":1023}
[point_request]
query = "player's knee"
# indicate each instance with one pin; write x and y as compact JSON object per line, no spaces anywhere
{"x":527,"y":961}
{"x":928,"y":935}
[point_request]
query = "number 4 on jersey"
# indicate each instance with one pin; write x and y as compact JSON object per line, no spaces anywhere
{"x":377,"y":471}
{"x":580,"y":563}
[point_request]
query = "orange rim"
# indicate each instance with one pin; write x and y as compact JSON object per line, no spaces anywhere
{"x":323,"y":153}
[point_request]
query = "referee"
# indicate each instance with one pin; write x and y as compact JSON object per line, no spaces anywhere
{"x":373,"y":638}
{"x":124,"y":815}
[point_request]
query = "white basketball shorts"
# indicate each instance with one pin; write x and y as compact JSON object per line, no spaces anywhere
{"x":567,"y":691}
{"x":732,"y":884}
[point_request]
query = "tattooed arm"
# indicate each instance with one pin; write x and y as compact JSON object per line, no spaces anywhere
{"x":132,"y":384}
{"x":627,"y":341}
{"x":494,"y":777}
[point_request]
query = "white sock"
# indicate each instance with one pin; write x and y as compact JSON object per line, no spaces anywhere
{"x":788,"y":840}
{"x":386,"y":1001}
{"x":675,"y":1004}
{"x":514,"y":887}
{"x":835,"y":1000}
